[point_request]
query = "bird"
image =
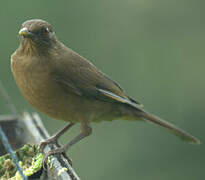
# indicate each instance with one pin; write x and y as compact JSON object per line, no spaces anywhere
{"x":62,"y":84}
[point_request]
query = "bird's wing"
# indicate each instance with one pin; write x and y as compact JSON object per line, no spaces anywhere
{"x":121,"y":99}
{"x":80,"y":77}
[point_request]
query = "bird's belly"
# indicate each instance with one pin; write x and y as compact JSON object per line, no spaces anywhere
{"x":72,"y":108}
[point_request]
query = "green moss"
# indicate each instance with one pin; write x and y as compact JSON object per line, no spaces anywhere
{"x":35,"y":165}
{"x":30,"y":160}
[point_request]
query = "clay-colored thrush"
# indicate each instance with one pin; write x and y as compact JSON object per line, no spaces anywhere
{"x":64,"y":85}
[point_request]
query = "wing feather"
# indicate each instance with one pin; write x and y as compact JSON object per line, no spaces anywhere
{"x":81,"y":77}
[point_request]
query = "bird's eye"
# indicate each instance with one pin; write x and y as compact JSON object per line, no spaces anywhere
{"x":46,"y":31}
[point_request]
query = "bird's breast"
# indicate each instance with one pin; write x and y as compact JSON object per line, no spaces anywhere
{"x":35,"y":83}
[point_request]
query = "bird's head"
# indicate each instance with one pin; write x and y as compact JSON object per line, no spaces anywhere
{"x":37,"y":33}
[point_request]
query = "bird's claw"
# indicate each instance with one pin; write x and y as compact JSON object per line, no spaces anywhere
{"x":53,"y":152}
{"x":48,"y":141}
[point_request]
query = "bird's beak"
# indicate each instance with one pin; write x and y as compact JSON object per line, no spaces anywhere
{"x":25,"y":32}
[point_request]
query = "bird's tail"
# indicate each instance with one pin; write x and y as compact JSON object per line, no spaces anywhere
{"x":172,"y":128}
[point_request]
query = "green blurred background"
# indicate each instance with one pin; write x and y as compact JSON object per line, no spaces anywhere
{"x":155,"y":50}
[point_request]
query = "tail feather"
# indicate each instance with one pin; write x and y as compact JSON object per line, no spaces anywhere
{"x":172,"y":128}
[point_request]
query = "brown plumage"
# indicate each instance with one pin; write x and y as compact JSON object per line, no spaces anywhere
{"x":66,"y":86}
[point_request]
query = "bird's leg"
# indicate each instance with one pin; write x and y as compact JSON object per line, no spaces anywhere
{"x":55,"y":137}
{"x":86,"y":130}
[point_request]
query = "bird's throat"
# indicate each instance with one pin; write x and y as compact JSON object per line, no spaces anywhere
{"x":27,"y":47}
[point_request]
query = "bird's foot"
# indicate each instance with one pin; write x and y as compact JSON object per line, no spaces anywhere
{"x":50,"y":140}
{"x":60,"y":150}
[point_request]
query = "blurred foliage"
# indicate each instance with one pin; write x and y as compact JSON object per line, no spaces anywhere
{"x":155,"y":50}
